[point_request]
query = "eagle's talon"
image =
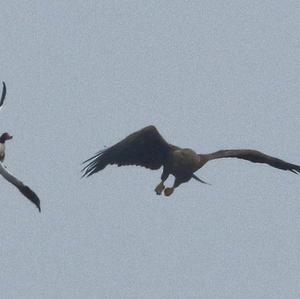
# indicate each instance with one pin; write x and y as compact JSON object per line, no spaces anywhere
{"x":168,"y":191}
{"x":160,"y":188}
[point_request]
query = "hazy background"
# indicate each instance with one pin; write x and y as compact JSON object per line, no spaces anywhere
{"x":81,"y":75}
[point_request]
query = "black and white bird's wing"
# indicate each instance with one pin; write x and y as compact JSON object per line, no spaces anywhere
{"x":145,"y":147}
{"x":3,"y":94}
{"x":256,"y":157}
{"x":25,"y":190}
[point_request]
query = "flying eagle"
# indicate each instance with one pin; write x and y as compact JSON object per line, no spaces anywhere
{"x":149,"y":149}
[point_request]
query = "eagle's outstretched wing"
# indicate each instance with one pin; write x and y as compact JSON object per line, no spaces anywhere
{"x":145,"y":147}
{"x":3,"y":94}
{"x":256,"y":157}
{"x":25,"y":190}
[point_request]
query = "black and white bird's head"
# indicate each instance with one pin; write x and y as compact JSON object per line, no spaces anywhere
{"x":4,"y":137}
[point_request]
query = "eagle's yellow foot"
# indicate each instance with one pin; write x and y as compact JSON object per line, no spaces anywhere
{"x":160,"y":188}
{"x":168,"y":191}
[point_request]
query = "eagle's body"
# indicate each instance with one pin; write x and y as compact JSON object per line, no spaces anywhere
{"x":149,"y":149}
{"x":183,"y":163}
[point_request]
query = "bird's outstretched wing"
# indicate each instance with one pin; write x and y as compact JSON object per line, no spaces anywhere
{"x":3,"y":94}
{"x":25,"y":190}
{"x":145,"y":147}
{"x":254,"y":156}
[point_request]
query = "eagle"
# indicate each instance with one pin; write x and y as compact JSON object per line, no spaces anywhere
{"x":147,"y":148}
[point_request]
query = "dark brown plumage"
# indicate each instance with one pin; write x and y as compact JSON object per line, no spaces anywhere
{"x":145,"y":148}
{"x":149,"y":149}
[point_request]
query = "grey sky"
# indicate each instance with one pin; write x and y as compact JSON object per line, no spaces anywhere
{"x":81,"y":75}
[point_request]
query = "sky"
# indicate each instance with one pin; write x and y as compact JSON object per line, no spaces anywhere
{"x":210,"y":75}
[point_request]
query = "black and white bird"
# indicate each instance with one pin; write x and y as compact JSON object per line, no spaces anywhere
{"x":25,"y":190}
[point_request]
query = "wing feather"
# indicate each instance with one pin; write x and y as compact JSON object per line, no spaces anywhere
{"x":25,"y":190}
{"x":255,"y":157}
{"x":145,"y":147}
{"x":3,"y":94}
